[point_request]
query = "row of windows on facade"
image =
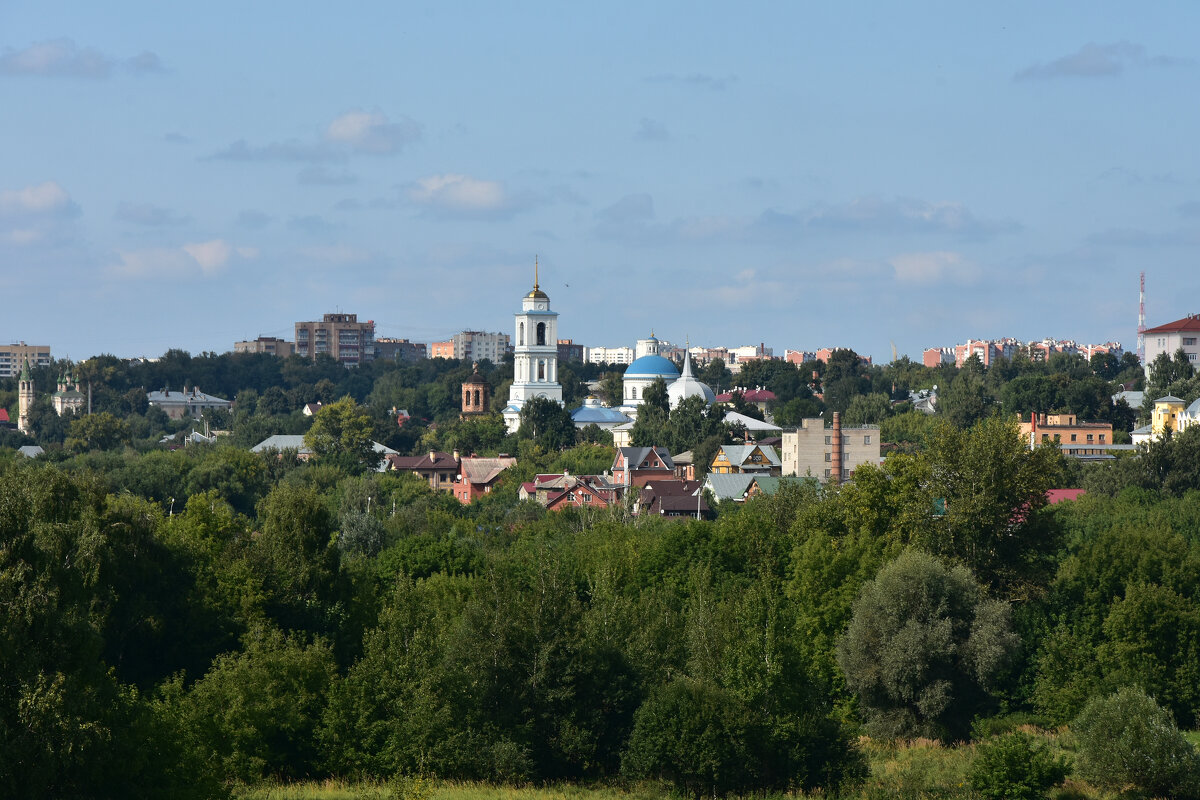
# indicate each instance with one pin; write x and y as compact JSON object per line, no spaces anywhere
{"x":846,"y":440}
{"x":1057,"y":438}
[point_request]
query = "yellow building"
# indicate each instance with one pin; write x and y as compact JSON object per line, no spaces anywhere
{"x":1166,"y":415}
{"x":745,"y":458}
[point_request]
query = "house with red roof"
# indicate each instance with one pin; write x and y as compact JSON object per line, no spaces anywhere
{"x":477,"y":476}
{"x":1181,"y":334}
{"x":557,"y":492}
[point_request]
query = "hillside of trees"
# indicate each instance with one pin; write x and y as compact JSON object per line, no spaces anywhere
{"x":178,"y":623}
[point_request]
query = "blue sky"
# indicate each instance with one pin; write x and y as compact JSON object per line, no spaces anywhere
{"x":806,"y":175}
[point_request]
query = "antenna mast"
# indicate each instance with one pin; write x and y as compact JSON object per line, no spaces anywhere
{"x":1142,"y":321}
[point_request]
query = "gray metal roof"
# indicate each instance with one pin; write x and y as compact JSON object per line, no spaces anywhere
{"x":729,"y":487}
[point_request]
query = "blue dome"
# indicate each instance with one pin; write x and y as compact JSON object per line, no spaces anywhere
{"x":654,"y":366}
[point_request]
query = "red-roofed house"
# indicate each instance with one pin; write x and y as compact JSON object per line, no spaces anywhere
{"x":1058,"y":495}
{"x":556,"y":492}
{"x":633,"y":466}
{"x":477,"y":476}
{"x":4,"y":420}
{"x":1182,"y":333}
{"x":757,"y":396}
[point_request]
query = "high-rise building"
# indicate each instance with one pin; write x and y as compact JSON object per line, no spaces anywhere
{"x":12,"y":356}
{"x":340,"y":336}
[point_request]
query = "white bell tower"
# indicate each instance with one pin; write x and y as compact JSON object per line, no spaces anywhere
{"x":535,"y":355}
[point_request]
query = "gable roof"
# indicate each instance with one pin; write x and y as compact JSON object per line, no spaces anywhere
{"x":1188,"y":323}
{"x":484,"y":470}
{"x":729,"y":486}
{"x":4,"y":415}
{"x":749,"y":423}
{"x":432,"y":460}
{"x":634,"y":456}
{"x":740,"y":453}
{"x":30,"y":450}
{"x":281,"y":442}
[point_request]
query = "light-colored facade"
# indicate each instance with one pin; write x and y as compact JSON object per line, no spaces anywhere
{"x":535,"y":357}
{"x":281,"y":348}
{"x":1167,"y":411}
{"x":608,"y":355}
{"x":190,"y":403}
{"x":1182,"y":333}
{"x":809,"y":450}
{"x":13,"y":356}
{"x":474,"y":346}
{"x":340,"y":336}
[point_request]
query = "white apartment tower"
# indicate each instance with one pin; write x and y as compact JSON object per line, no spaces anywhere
{"x":535,"y":354}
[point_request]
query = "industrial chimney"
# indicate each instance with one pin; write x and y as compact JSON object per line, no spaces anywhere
{"x":836,"y":467}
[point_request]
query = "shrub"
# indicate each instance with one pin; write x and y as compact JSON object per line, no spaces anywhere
{"x":1127,"y":739}
{"x":1015,"y":766}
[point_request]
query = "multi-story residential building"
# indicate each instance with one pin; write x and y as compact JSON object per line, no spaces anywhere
{"x":609,"y":355}
{"x":266,"y":344}
{"x":12,"y":356}
{"x":986,"y":351}
{"x":818,"y":451}
{"x":569,"y":351}
{"x":340,"y":336}
{"x":399,"y":349}
{"x":1064,"y":429}
{"x":442,"y":349}
{"x":936,"y":356}
{"x":799,"y":356}
{"x":1182,"y":333}
{"x":477,"y":346}
{"x":825,"y":353}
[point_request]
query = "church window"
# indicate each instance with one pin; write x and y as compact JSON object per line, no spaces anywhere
{"x":477,"y":397}
{"x":521,"y":333}
{"x":541,"y":369}
{"x":541,"y":333}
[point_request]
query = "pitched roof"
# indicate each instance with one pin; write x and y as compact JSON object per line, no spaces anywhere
{"x":1169,"y":399}
{"x":729,"y":486}
{"x":689,"y":503}
{"x":4,"y":415}
{"x":31,"y":450}
{"x":749,"y":395}
{"x":634,"y":456}
{"x":1189,"y":323}
{"x":749,"y":423}
{"x":739,"y":453}
{"x":484,"y":470}
{"x":431,"y":460}
{"x":281,"y":442}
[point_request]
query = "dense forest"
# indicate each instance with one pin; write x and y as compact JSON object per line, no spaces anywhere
{"x":178,"y":622}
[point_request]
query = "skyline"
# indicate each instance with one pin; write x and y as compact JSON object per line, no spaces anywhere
{"x":804,"y":177}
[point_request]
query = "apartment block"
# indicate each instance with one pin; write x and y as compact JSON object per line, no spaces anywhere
{"x":340,"y":336}
{"x":609,"y":355}
{"x":399,"y":349}
{"x":270,"y":345}
{"x":569,"y":351}
{"x":815,"y":450}
{"x":12,"y":356}
{"x":473,"y":346}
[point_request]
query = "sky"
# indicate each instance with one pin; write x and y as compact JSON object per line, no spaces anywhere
{"x":800,"y":174}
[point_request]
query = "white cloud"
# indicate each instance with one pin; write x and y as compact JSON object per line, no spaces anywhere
{"x":941,"y":266}
{"x":63,"y":58}
{"x":458,"y":193}
{"x":205,"y":259}
{"x":372,"y":132}
{"x":211,"y":256}
{"x":47,"y":198}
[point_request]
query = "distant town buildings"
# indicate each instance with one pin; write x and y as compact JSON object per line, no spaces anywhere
{"x":13,"y":356}
{"x":187,"y":403}
{"x":569,"y":351}
{"x":1064,"y":429}
{"x":271,"y":345}
{"x":988,"y":350}
{"x":389,"y":349}
{"x":608,"y":355}
{"x":340,"y":336}
{"x":473,"y":346}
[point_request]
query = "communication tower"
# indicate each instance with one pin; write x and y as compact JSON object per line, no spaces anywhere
{"x":1142,"y":321}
